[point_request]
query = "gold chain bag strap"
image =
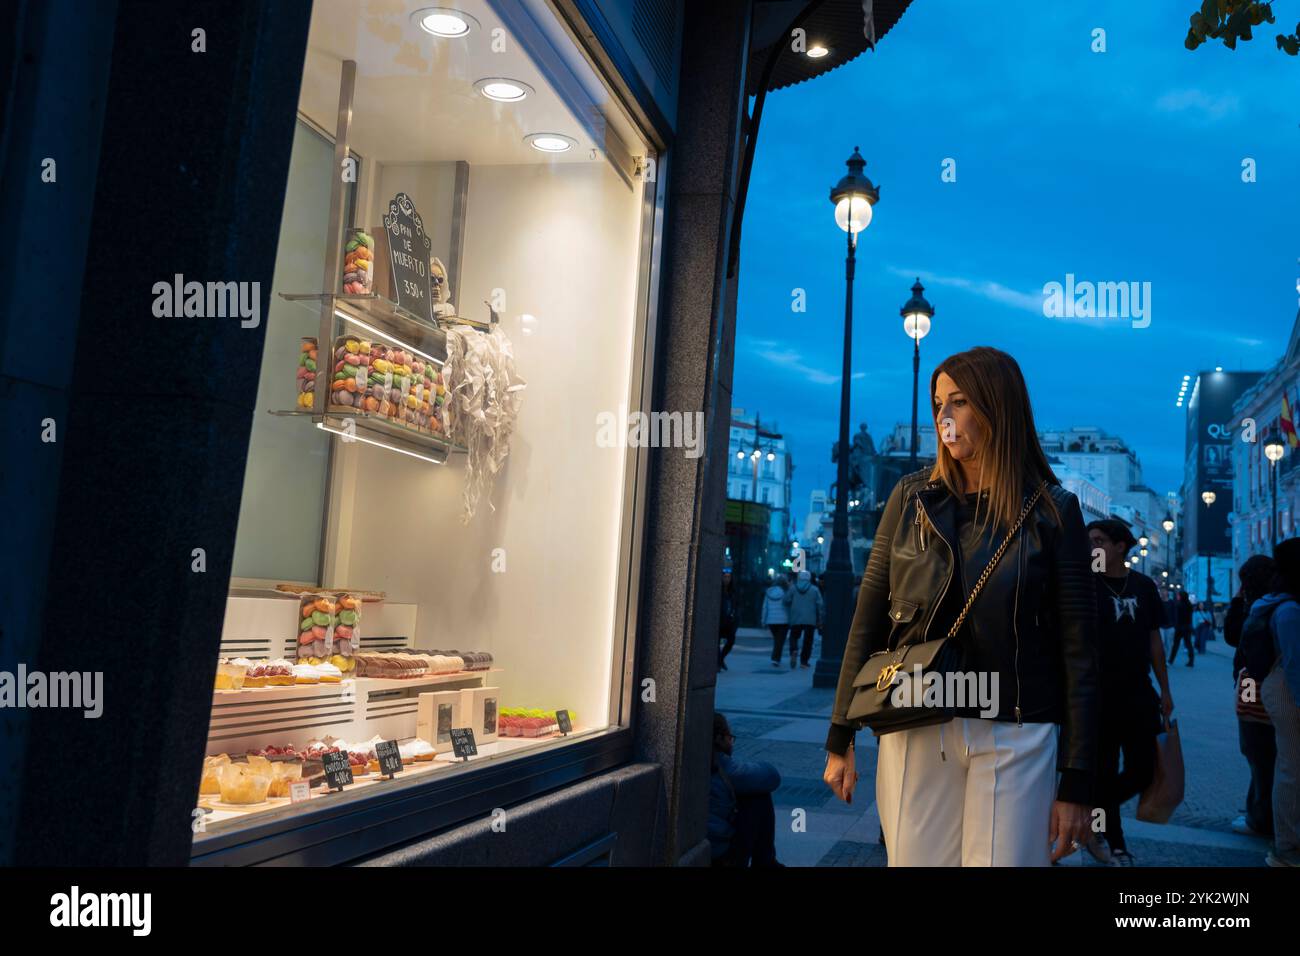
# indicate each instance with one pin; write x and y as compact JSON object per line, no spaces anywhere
{"x":872,"y":706}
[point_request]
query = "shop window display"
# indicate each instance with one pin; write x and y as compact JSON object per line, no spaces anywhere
{"x":478,"y":302}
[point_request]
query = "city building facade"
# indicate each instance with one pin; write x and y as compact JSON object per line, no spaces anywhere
{"x":1262,"y":512}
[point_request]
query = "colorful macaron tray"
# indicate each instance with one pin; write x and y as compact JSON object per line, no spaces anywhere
{"x":392,"y":383}
{"x":306,"y":378}
{"x":358,"y":263}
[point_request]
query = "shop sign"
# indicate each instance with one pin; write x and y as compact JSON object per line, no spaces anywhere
{"x":562,"y":718}
{"x":746,"y":513}
{"x":408,"y":254}
{"x":390,"y":760}
{"x":462,"y":742}
{"x":338,"y":772}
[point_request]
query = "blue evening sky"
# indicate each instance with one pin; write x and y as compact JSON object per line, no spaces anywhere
{"x":1117,"y":166}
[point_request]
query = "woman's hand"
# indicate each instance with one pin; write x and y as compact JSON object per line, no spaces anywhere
{"x":1069,"y":827}
{"x":840,"y":775}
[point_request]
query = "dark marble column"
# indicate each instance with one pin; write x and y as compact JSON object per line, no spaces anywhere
{"x":681,"y":588}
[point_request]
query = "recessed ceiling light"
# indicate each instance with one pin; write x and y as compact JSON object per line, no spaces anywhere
{"x":550,"y":142}
{"x":1218,"y":368}
{"x":503,"y":90}
{"x":444,"y":22}
{"x":817,"y":52}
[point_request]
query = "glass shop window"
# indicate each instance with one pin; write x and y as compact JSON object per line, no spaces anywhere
{"x":434,"y":548}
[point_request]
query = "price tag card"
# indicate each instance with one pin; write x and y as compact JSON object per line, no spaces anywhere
{"x":390,"y":760}
{"x":462,"y":742}
{"x":562,"y":718}
{"x":299,"y":791}
{"x":338,"y":772}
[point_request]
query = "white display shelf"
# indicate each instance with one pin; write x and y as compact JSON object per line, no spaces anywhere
{"x":358,"y":684}
{"x":463,"y":678}
{"x":503,"y":746}
{"x":356,"y":709}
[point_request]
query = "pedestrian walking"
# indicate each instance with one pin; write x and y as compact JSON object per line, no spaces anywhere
{"x":1129,"y":647}
{"x":1255,"y":736}
{"x":742,"y":819}
{"x":775,"y":617}
{"x":1183,"y":629}
{"x":989,"y":548}
{"x":727,"y":621}
{"x":1205,"y":626}
{"x":1277,"y":616}
{"x":1170,"y":609}
{"x":805,"y":607}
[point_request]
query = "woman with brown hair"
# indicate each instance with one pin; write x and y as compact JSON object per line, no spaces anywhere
{"x":976,"y":784}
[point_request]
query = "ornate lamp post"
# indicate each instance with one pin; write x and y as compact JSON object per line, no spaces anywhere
{"x":1168,"y":525}
{"x":854,"y":196}
{"x":1273,"y":450}
{"x":1208,"y":497}
{"x":916,"y":313}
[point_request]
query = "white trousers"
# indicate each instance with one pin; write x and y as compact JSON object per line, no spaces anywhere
{"x":1281,"y":707}
{"x":971,"y":792}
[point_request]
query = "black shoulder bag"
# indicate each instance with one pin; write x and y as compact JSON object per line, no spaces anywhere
{"x":873,"y":704}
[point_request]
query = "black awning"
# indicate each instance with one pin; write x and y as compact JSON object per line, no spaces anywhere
{"x":836,"y":25}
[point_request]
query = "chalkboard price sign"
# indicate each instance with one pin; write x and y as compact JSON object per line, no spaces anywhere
{"x":390,"y":760}
{"x":566,"y":724}
{"x":408,"y":254}
{"x":338,"y":772}
{"x":462,"y":742}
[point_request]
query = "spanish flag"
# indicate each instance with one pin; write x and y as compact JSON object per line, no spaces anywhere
{"x":1288,"y":424}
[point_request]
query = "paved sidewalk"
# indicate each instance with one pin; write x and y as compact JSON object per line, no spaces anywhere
{"x":777,"y":716}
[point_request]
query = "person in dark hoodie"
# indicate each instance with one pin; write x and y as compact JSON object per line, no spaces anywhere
{"x":742,"y":819}
{"x":805,"y":608}
{"x":1277,"y":615}
{"x":1254,"y":729}
{"x":1183,"y":629}
{"x":728,"y":623}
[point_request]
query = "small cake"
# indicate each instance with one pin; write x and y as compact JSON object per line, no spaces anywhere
{"x":359,"y":765}
{"x":256,"y":676}
{"x":305,"y":674}
{"x":415,"y":749}
{"x":283,"y":773}
{"x":211,"y":781}
{"x":230,"y":676}
{"x":329,"y":674}
{"x":279,"y":673}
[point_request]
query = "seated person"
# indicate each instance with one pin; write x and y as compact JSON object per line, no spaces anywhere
{"x":742,"y":820}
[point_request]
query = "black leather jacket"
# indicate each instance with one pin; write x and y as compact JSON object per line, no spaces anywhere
{"x":1034,"y":622}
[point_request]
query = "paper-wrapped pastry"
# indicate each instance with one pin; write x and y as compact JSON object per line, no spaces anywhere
{"x":245,"y":783}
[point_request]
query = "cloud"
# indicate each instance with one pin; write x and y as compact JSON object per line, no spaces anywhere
{"x":984,"y":288}
{"x":778,"y":353}
{"x":1204,"y":105}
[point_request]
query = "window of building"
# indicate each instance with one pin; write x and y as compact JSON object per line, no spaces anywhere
{"x":501,"y":195}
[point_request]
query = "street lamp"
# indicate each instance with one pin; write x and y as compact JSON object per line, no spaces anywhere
{"x":757,"y":452}
{"x":1273,"y":450}
{"x":916,"y":313}
{"x":1143,"y":541}
{"x":854,"y":196}
{"x":1208,"y":497}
